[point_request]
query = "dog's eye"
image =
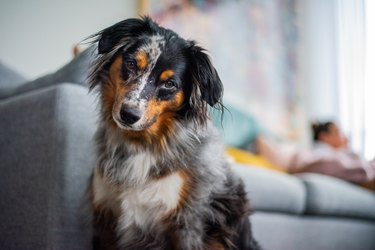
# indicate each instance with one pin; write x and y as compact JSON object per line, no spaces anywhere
{"x":170,"y":84}
{"x":131,"y":64}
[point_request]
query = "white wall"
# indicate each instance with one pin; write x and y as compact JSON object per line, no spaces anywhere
{"x":318,"y":34}
{"x":37,"y":36}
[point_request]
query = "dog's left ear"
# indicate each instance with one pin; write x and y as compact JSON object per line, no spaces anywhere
{"x":206,"y":82}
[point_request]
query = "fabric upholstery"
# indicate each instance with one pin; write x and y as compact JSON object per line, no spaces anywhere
{"x":276,"y":231}
{"x":252,"y":160}
{"x":329,"y":196}
{"x":76,"y":71}
{"x":9,"y":80}
{"x":272,"y":191}
{"x":46,"y":160}
{"x":46,"y":155}
{"x":237,"y":128}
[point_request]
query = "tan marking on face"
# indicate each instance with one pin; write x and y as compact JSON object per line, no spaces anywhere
{"x":159,"y":107}
{"x":108,"y":94}
{"x":164,"y":114}
{"x":142,"y":61}
{"x":115,"y":71}
{"x":166,"y":75}
{"x":114,"y":91}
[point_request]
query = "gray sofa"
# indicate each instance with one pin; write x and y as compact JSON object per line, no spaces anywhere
{"x":46,"y":157}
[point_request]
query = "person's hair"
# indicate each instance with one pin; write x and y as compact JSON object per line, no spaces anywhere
{"x":319,"y":128}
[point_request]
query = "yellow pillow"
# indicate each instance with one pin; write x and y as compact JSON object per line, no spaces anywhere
{"x":244,"y":157}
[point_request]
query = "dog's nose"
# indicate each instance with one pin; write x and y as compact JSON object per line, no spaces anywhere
{"x":129,"y":115}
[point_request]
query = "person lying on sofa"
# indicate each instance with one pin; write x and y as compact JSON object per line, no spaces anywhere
{"x":330,"y":156}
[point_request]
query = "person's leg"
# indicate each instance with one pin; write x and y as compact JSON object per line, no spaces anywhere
{"x":277,"y":153}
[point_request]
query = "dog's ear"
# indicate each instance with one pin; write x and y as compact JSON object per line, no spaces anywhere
{"x":113,"y":35}
{"x":205,"y":79}
{"x":111,"y":39}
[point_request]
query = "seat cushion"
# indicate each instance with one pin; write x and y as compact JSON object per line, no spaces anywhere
{"x":276,"y":231}
{"x":272,"y":191}
{"x":330,"y":196}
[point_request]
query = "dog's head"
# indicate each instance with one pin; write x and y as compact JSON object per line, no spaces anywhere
{"x":147,"y":75}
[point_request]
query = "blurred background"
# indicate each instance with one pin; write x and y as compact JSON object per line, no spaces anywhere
{"x":286,"y":62}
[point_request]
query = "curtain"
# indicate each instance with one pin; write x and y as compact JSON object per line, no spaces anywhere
{"x":369,"y":113}
{"x":351,"y":51}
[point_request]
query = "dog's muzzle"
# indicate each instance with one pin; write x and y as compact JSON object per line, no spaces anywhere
{"x":129,"y":115}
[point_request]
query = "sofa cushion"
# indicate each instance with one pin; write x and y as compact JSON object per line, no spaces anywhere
{"x":237,"y":128}
{"x":247,"y":158}
{"x":76,"y":71}
{"x":277,"y":231}
{"x":329,"y":196}
{"x":272,"y":191}
{"x":9,"y":80}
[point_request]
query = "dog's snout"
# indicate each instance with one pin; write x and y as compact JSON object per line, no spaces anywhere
{"x":129,"y":115}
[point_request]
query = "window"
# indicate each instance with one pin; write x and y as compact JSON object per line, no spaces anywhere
{"x":369,"y":88}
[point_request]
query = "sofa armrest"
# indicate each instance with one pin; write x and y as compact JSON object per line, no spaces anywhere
{"x":46,"y":157}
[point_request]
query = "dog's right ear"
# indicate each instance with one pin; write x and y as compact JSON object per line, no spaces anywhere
{"x":113,"y":35}
{"x":112,"y":39}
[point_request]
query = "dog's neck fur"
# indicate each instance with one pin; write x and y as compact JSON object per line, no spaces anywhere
{"x":124,"y":162}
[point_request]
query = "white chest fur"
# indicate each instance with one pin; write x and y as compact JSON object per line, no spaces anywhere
{"x":137,"y":167}
{"x":150,"y":202}
{"x":142,"y":205}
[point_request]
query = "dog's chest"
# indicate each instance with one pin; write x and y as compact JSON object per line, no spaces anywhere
{"x":143,"y":205}
{"x":151,"y":202}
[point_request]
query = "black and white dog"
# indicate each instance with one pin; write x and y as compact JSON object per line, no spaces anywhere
{"x":161,"y":180}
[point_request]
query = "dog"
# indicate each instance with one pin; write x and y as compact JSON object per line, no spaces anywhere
{"x":161,"y":180}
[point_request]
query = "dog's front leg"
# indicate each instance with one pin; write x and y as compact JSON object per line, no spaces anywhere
{"x":186,"y":231}
{"x":188,"y":239}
